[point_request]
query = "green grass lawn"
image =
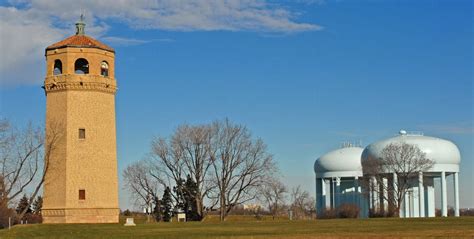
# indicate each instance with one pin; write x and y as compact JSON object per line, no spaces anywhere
{"x":376,"y":227}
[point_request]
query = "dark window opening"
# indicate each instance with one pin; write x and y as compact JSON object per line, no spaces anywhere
{"x":104,"y":69}
{"x":82,"y":194}
{"x":58,"y":67}
{"x":81,"y":66}
{"x":82,"y":133}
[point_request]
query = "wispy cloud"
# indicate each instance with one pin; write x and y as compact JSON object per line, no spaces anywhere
{"x":27,"y":26}
{"x":310,"y":2}
{"x":122,"y":41}
{"x":450,"y":128}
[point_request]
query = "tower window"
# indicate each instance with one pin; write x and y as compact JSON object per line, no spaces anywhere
{"x":82,"y":194}
{"x":104,"y":69}
{"x":81,"y":66}
{"x":82,"y":133}
{"x":58,"y":67}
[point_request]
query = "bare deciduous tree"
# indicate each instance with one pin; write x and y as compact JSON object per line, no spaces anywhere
{"x":186,"y":153}
{"x":239,"y":164}
{"x":193,"y":142}
{"x":225,"y":163}
{"x":273,"y":192}
{"x":302,"y":204}
{"x":142,"y":183}
{"x":390,"y":175}
{"x":167,"y":159}
{"x":20,"y":158}
{"x":25,"y":156}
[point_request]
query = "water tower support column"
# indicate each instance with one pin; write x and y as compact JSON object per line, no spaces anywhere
{"x":323,"y":194}
{"x":327,"y":193}
{"x":356,"y":191}
{"x":395,"y":191}
{"x":444,"y":197}
{"x":456,"y":194}
{"x":421,"y":196}
{"x":384,"y":197}
{"x":338,"y":192}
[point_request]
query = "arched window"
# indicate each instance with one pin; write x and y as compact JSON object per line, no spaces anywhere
{"x":58,"y":67}
{"x":104,"y":68}
{"x":81,"y":66}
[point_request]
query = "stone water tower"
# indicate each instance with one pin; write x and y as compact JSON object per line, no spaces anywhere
{"x":81,"y":184}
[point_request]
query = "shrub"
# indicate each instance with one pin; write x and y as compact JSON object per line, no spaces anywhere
{"x":328,"y":214}
{"x":380,"y":213}
{"x":348,"y":211}
{"x":33,"y":218}
{"x":5,"y":213}
{"x":467,"y":212}
{"x":438,"y":212}
{"x":450,"y":212}
{"x":127,"y":213}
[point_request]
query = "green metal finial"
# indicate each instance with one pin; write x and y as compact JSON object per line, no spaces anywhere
{"x":80,"y":25}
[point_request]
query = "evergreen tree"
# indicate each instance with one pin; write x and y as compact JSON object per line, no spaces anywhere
{"x":179,"y":195}
{"x":127,"y":213}
{"x":24,"y":203}
{"x":167,"y":204}
{"x":37,"y":205}
{"x":157,"y":211}
{"x":189,"y":194}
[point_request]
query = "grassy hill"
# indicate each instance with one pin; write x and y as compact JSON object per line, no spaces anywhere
{"x":239,"y":228}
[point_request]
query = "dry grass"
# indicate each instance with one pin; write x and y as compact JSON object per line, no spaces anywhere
{"x":237,"y":227}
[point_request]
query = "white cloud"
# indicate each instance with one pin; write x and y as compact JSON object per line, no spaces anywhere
{"x":182,"y":15}
{"x":27,"y":27}
{"x":23,"y":37}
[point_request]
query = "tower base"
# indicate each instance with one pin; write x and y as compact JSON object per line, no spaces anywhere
{"x":80,"y":215}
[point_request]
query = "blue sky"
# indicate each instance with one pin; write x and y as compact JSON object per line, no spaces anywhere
{"x":302,"y":75}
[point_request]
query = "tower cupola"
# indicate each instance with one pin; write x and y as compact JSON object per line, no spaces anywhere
{"x":80,"y":25}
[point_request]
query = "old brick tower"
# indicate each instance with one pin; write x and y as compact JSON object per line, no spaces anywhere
{"x":81,"y":183}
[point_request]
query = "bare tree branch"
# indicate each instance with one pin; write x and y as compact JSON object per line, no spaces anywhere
{"x":240,"y":164}
{"x":390,"y":175}
{"x":273,"y":192}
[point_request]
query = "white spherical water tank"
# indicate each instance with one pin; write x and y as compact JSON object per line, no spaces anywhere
{"x":343,"y":162}
{"x":337,"y":174}
{"x":444,"y":153}
{"x":419,"y":200}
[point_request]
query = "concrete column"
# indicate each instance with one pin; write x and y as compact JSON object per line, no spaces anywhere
{"x":371,"y":194}
{"x":356,"y":191}
{"x":430,"y":197}
{"x":384,"y":198}
{"x":376,"y":195}
{"x":337,"y":192}
{"x":456,"y":194}
{"x":324,"y":193}
{"x":444,"y":196}
{"x":333,"y":194}
{"x":319,"y":194}
{"x":421,"y":195}
{"x":395,"y":190}
{"x":406,"y":204}
{"x":328,"y":193}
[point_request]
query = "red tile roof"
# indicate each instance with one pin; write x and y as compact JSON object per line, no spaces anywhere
{"x":80,"y":41}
